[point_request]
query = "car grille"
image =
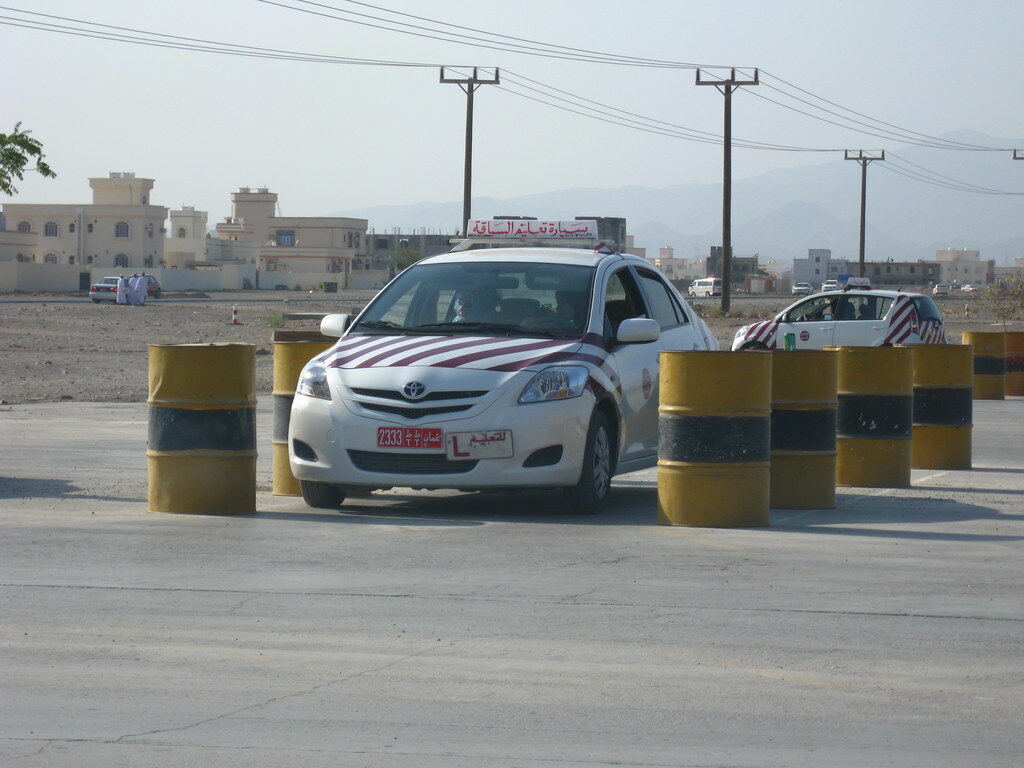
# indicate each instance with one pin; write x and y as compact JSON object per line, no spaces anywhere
{"x":391,"y":394}
{"x":414,"y":409}
{"x":414,"y":413}
{"x":408,"y":463}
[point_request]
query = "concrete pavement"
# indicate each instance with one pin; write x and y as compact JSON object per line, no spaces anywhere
{"x":417,"y":629}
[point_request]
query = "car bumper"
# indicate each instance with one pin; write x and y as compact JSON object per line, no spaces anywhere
{"x":346,"y":451}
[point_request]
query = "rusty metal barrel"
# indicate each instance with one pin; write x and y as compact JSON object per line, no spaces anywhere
{"x":989,"y":363}
{"x":803,"y":429}
{"x":875,"y":416}
{"x":943,"y":381}
{"x":202,"y":428}
{"x":292,"y":350}
{"x":1014,"y":382}
{"x":713,"y":438}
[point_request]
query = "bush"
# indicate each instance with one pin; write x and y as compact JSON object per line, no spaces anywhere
{"x":274,"y":319}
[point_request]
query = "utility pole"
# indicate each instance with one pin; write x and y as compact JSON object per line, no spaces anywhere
{"x":864,"y":160}
{"x":469,"y":86}
{"x":726,"y":87}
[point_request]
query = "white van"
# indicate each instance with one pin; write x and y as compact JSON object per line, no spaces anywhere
{"x":706,"y":286}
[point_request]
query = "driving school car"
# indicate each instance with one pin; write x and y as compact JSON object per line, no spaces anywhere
{"x":493,"y":369}
{"x":862,"y":318}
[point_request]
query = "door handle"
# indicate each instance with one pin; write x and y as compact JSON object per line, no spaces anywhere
{"x":877,"y":327}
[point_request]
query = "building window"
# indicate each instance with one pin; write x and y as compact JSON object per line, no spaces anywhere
{"x":21,"y":257}
{"x":50,"y":229}
{"x":911,"y":270}
{"x":817,"y":271}
{"x":88,"y":260}
{"x":120,"y":260}
{"x":888,"y":270}
{"x":50,"y":258}
{"x":121,"y":229}
{"x":88,"y":228}
{"x":148,"y":262}
{"x":181,"y":232}
{"x":71,"y":227}
{"x":285,"y":237}
{"x":71,"y":259}
{"x":24,"y":226}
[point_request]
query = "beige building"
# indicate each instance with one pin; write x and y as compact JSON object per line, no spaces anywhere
{"x":960,"y":266}
{"x":120,"y":228}
{"x":294,"y":251}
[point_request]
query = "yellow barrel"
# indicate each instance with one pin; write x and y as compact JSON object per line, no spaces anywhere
{"x":989,"y":364}
{"x":202,"y":428}
{"x":291,"y":353}
{"x":1014,"y":383}
{"x":876,"y":410}
{"x":803,"y":436}
{"x":713,"y":438}
{"x":943,"y":379}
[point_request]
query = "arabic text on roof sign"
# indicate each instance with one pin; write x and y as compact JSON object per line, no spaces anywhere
{"x":520,"y":228}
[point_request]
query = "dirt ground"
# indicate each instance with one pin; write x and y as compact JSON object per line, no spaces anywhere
{"x":52,"y":348}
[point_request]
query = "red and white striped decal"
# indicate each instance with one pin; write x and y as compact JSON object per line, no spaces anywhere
{"x":932,"y":332}
{"x":473,"y":352}
{"x":764,"y":332}
{"x":902,"y":321}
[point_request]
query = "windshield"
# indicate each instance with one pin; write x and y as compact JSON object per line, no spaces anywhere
{"x":484,"y":298}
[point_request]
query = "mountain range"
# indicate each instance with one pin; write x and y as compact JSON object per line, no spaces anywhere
{"x":782,"y":213}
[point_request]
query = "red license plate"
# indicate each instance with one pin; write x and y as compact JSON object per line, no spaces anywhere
{"x":410,"y":437}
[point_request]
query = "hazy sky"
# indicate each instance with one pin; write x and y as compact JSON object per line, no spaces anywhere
{"x":328,"y":137}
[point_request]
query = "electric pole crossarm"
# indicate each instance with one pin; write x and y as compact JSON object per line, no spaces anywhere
{"x":469,"y":86}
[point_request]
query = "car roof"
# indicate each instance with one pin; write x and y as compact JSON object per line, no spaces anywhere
{"x":576,"y":256}
{"x":869,"y":292}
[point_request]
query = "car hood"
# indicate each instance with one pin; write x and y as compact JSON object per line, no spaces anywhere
{"x":481,"y":353}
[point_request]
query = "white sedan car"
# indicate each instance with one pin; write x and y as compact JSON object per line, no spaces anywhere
{"x":854,"y":318}
{"x":489,"y":370}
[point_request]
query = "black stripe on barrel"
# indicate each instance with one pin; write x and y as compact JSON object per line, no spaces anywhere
{"x":943,"y":407}
{"x":186,"y":429}
{"x":713,"y":439}
{"x":989,"y":366}
{"x":885,"y":417}
{"x":282,"y":417}
{"x":803,"y":430}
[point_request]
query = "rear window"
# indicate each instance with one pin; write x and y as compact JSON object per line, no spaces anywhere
{"x":927,"y":309}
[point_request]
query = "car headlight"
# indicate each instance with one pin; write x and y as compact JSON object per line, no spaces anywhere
{"x":560,"y":382}
{"x":313,"y":382}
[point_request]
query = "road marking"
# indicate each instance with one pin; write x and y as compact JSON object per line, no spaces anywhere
{"x":929,"y":477}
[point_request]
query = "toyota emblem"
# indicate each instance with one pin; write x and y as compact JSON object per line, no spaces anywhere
{"x":414,"y":390}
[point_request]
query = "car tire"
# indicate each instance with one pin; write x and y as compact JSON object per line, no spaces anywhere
{"x":157,"y":295}
{"x":589,"y":494}
{"x":96,"y":301}
{"x":322,"y":495}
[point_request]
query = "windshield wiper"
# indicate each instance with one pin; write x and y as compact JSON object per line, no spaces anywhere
{"x":497,"y":328}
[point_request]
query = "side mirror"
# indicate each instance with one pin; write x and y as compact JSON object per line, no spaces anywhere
{"x":638,"y":330}
{"x":826,"y":316}
{"x":334,"y":325}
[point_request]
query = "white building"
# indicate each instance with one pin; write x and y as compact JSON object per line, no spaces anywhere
{"x":960,"y":266}
{"x":120,"y":228}
{"x":819,"y":266}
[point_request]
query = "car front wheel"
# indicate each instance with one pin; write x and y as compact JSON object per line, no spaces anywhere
{"x":322,"y":495}
{"x":589,"y":493}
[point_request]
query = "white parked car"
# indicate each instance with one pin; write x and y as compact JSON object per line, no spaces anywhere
{"x":802,"y":289}
{"x":830,"y":285}
{"x":493,"y":369}
{"x":941,"y":289}
{"x":854,"y":318}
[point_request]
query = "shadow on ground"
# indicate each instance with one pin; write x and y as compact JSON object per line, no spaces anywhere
{"x":50,"y":488}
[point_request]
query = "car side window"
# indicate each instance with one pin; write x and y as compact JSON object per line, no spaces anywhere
{"x":818,"y":308}
{"x":621,"y":302}
{"x":660,"y":300}
{"x":862,"y":307}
